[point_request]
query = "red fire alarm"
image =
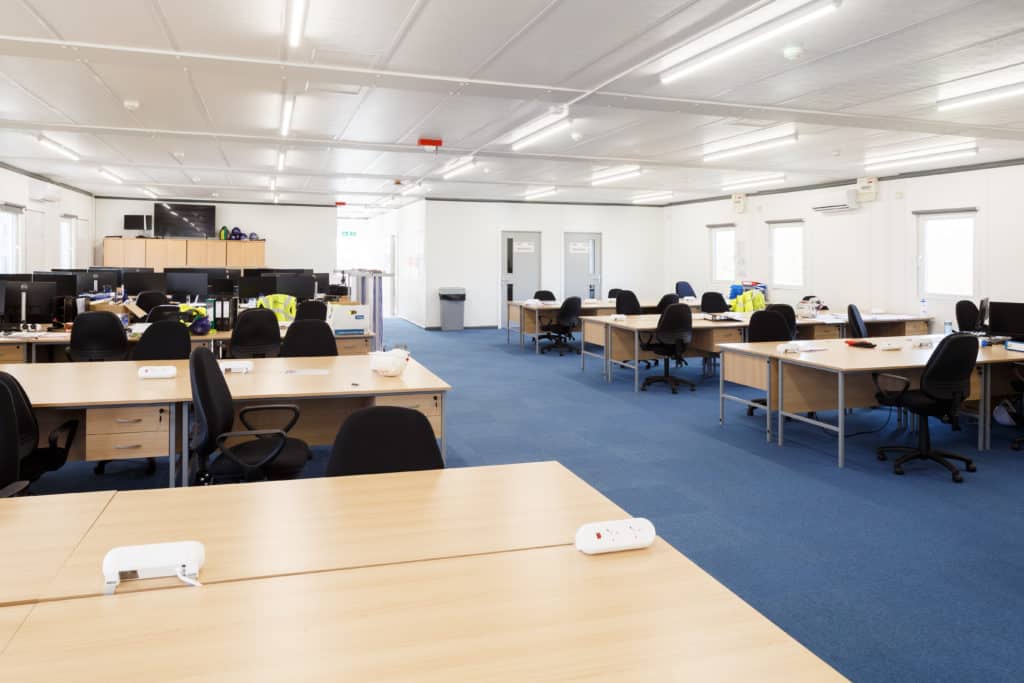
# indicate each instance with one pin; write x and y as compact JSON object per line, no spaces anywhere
{"x":430,"y":144}
{"x":339,"y":203}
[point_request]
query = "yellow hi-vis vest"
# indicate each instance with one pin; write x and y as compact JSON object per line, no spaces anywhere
{"x":283,"y":306}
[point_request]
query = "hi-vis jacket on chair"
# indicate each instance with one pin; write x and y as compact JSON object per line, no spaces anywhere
{"x":283,"y":306}
{"x":748,"y":302}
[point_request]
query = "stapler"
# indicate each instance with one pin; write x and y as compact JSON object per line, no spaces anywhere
{"x":183,"y":559}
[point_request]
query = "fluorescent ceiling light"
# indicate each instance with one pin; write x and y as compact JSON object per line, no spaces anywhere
{"x":553,"y":116}
{"x":109,"y":176}
{"x":296,"y":21}
{"x":165,"y":205}
{"x":981,"y":97}
{"x":652,"y":197}
{"x":57,"y":147}
{"x":613,"y":175}
{"x":754,"y":142}
{"x":148,"y":192}
{"x":759,"y":181}
{"x":286,"y":114}
{"x":922,"y":155}
{"x":745,"y":32}
{"x":542,"y":134}
{"x":458,"y":167}
{"x":539,"y":193}
{"x":280,"y":161}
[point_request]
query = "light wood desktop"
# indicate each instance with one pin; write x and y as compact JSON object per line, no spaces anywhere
{"x":38,"y":534}
{"x":839,"y":377}
{"x":128,"y":417}
{"x":11,"y":619}
{"x":288,"y":527}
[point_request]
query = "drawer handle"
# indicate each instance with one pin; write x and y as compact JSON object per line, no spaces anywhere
{"x":128,"y":447}
{"x":127,"y":420}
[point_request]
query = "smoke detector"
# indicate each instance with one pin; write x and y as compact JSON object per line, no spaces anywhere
{"x":132,"y":105}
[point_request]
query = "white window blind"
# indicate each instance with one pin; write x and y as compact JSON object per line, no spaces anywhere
{"x":787,"y":245}
{"x":10,"y":241}
{"x":723,"y":254}
{"x":946,"y":254}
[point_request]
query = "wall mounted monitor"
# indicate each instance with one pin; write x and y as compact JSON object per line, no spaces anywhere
{"x":185,"y":220}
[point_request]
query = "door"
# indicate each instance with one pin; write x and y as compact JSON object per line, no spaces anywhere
{"x":583,"y":264}
{"x":520,"y":268}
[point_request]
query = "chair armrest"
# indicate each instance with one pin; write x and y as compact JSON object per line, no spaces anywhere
{"x":13,"y":489}
{"x":292,"y":408}
{"x":889,"y":394}
{"x":226,"y":451}
{"x":69,"y":428}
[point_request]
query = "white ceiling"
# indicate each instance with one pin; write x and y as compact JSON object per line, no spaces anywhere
{"x":372,"y":76}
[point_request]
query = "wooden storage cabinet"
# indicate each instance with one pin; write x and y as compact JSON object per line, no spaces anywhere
{"x":428,"y":404}
{"x":15,"y":353}
{"x":126,"y":433}
{"x":199,"y":253}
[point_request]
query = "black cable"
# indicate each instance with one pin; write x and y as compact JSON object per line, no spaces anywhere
{"x":874,"y":431}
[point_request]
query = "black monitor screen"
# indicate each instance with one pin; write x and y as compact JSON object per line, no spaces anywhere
{"x":183,"y":286}
{"x":222,"y":285}
{"x":299,"y":286}
{"x":185,"y":220}
{"x":323,"y":282}
{"x":16,"y":277}
{"x":252,"y":287}
{"x":39,"y":298}
{"x":141,"y":282}
{"x":66,"y":283}
{"x":1006,"y":319}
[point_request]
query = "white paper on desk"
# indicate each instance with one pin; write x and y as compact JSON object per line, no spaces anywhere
{"x":306,"y":371}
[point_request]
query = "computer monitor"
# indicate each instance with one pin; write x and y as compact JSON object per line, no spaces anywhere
{"x":1006,"y":319}
{"x":39,"y":299}
{"x":222,"y":286}
{"x":116,"y":272}
{"x":66,"y":283}
{"x":16,"y":277}
{"x":135,"y":282}
{"x":182,"y":286}
{"x":257,"y":272}
{"x":104,"y":281}
{"x":233,"y":273}
{"x":253,"y":287}
{"x":299,"y":286}
{"x":983,"y":314}
{"x":323,"y":282}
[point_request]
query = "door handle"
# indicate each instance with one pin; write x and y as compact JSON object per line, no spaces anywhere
{"x":127,"y":420}
{"x":128,"y":447}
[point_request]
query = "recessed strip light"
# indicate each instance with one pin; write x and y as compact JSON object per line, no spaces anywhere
{"x":981,"y":97}
{"x":748,"y":144}
{"x":296,"y":22}
{"x":148,"y":192}
{"x":458,"y":167}
{"x":540,"y":193}
{"x":744,"y":33}
{"x":923,"y":155}
{"x":553,"y":116}
{"x":542,"y":134}
{"x":280,"y":161}
{"x":652,"y":197}
{"x":57,"y":147}
{"x":110,"y":176}
{"x":613,"y":175}
{"x":286,"y":115}
{"x":759,"y":181}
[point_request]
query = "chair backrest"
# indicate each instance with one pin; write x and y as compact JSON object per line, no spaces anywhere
{"x":311,"y":310}
{"x":675,"y":326}
{"x":10,"y":456}
{"x":855,"y":327}
{"x":626,"y":303}
{"x":713,"y":302}
{"x":966,"y":315}
{"x":613,"y":292}
{"x":211,"y":399}
{"x":309,"y":338}
{"x":164,"y":340}
{"x":150,"y":299}
{"x":569,"y":311}
{"x":256,"y":334}
{"x":98,"y":335}
{"x":384,"y":439}
{"x":947,"y":375}
{"x":666,"y":301}
{"x":788,"y":313}
{"x":684,"y":288}
{"x":164,"y":312}
{"x":26,"y":428}
{"x":767,"y":326}
{"x":544,"y":295}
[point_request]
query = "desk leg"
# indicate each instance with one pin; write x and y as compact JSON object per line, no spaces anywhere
{"x":522,"y":337}
{"x":444,"y":431}
{"x":636,"y":361}
{"x":721,"y":394}
{"x":536,"y":334}
{"x":767,"y":399}
{"x":607,"y":353}
{"x":184,"y":444}
{"x":32,"y":353}
{"x":985,"y":410}
{"x":782,"y":418}
{"x":583,"y":347}
{"x":842,"y":419}
{"x":172,"y":450}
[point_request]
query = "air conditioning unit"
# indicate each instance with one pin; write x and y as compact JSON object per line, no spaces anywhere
{"x":38,"y":191}
{"x":848,"y":203}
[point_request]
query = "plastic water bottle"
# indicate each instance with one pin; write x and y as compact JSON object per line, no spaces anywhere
{"x":924,"y":306}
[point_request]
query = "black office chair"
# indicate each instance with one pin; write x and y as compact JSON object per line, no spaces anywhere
{"x":945,"y":383}
{"x":97,"y":336}
{"x":713,"y":302}
{"x":384,"y":439}
{"x":788,"y":313}
{"x":626,"y":303}
{"x":560,"y":332}
{"x":266,"y":454}
{"x":767,"y":326}
{"x":311,"y":310}
{"x":966,"y":316}
{"x":665,"y":302}
{"x":684,"y":289}
{"x":670,"y":339}
{"x":150,"y":299}
{"x":20,"y":439}
{"x":164,"y":312}
{"x":164,"y":340}
{"x":544,"y":295}
{"x":613,"y":292}
{"x":256,"y":334}
{"x":855,"y":327}
{"x":11,"y":483}
{"x":306,"y":338}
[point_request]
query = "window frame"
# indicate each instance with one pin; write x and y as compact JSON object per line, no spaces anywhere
{"x":922,"y":219}
{"x":791,"y":223}
{"x":714,"y":232}
{"x":19,"y":237}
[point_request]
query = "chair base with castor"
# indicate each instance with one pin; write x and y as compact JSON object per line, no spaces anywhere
{"x":669,"y":379}
{"x":101,"y":466}
{"x":1016,"y":444}
{"x":924,"y":451}
{"x":560,"y":342}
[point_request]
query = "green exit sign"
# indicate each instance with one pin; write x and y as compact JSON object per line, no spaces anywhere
{"x":348,"y":233}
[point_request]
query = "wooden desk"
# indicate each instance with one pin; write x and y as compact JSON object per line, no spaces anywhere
{"x":531,"y":615}
{"x":38,"y":534}
{"x":896,"y":324}
{"x":11,"y":619}
{"x":309,"y":525}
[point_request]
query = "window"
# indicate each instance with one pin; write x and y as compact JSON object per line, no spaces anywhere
{"x":723,"y":255}
{"x":945,"y":253}
{"x":66,"y":243}
{"x":10,"y":241}
{"x":787,"y":254}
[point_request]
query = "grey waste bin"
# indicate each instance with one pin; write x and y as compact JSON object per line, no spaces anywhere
{"x":453,"y":305}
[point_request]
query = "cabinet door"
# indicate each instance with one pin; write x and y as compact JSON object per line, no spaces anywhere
{"x":175,"y":252}
{"x":254,"y":254}
{"x":113,"y":252}
{"x":234,"y":254}
{"x":134,"y":253}
{"x":156,"y":255}
{"x":216,"y":253}
{"x":195,"y":253}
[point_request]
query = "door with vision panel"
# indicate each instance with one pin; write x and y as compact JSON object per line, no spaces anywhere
{"x":520,"y":268}
{"x":582,"y":255}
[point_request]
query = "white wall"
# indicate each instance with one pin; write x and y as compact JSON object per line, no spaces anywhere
{"x":42,"y":219}
{"x":408,"y":225}
{"x":297,"y":236}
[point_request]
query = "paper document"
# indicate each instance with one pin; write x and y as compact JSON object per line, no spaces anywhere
{"x":306,"y":371}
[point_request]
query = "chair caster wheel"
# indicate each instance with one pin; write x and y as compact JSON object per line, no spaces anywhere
{"x":151,"y":467}
{"x":692,"y":389}
{"x":882,"y":456}
{"x":970,"y":467}
{"x":674,"y":390}
{"x":750,"y":412}
{"x":100,"y":467}
{"x":643,"y":388}
{"x":958,"y":478}
{"x":897,"y":470}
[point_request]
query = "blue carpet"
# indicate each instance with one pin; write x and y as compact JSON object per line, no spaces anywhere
{"x":887,"y":578}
